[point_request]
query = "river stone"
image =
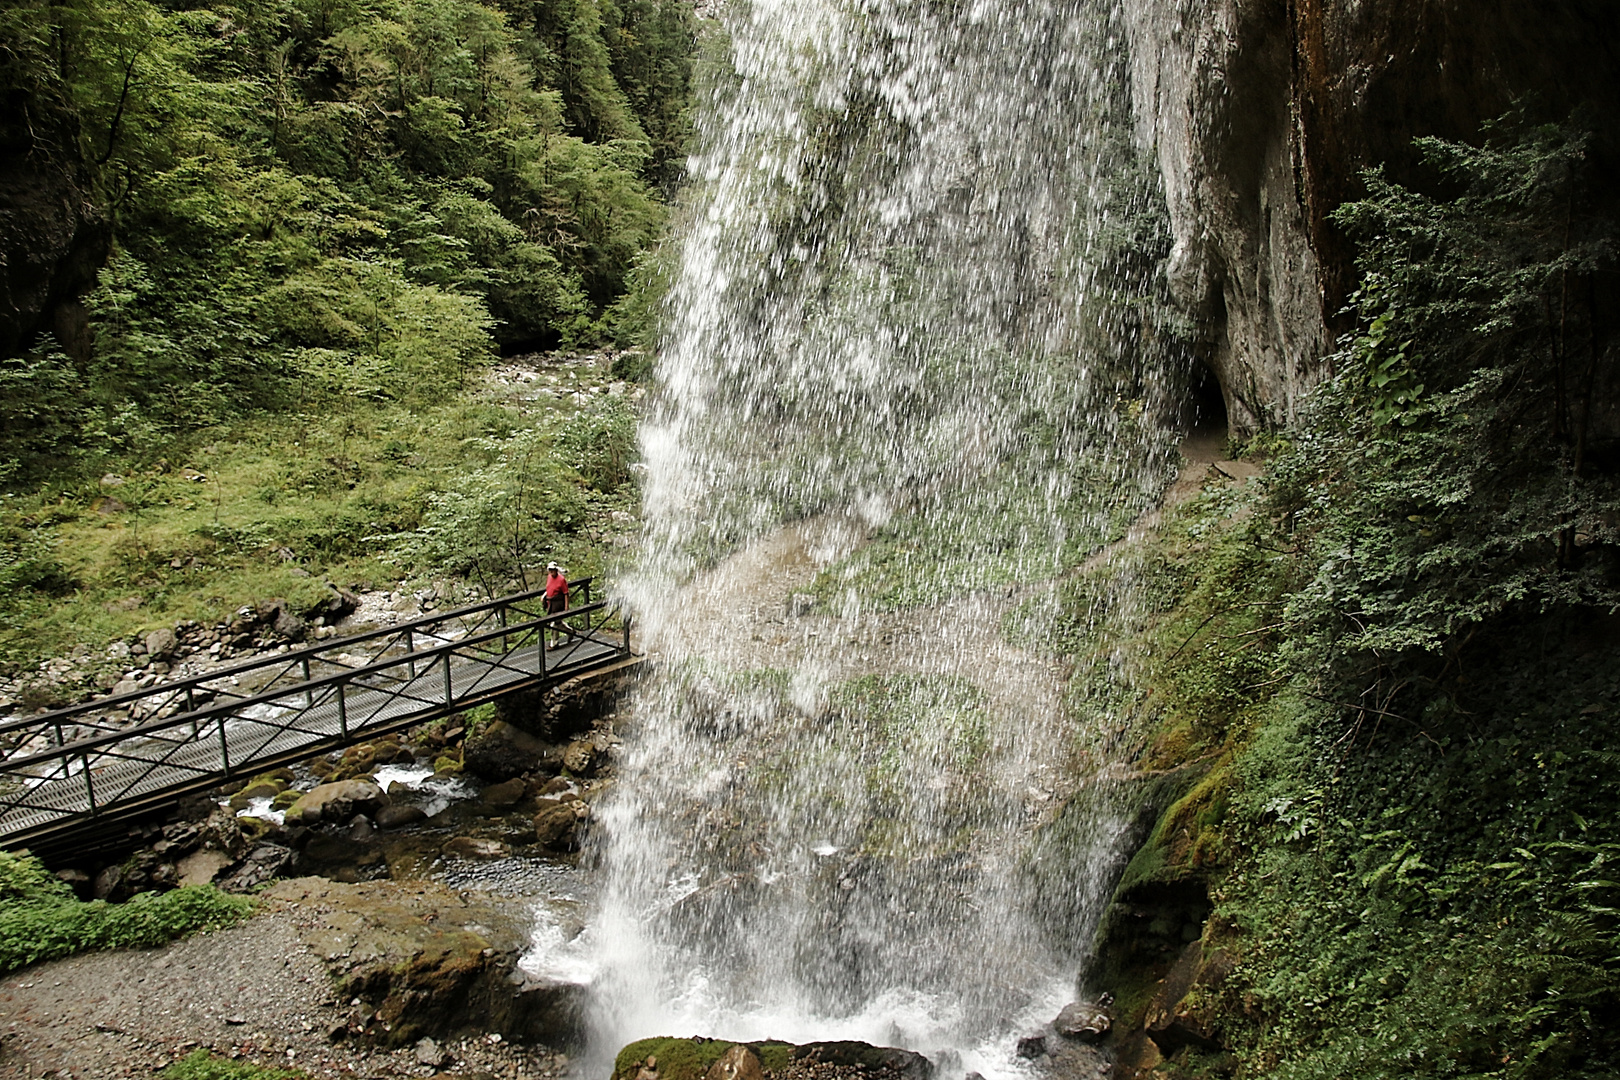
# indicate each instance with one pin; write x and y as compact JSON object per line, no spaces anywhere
{"x":471,"y":847}
{"x":337,"y":802}
{"x":394,"y":817}
{"x":1083,"y":1021}
{"x":505,"y":794}
{"x":554,"y":826}
{"x":739,"y":1063}
{"x":430,"y":1053}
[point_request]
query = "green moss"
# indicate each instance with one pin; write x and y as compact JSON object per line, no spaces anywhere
{"x":202,"y":1065}
{"x":678,"y":1059}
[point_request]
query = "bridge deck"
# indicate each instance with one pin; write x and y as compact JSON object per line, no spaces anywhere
{"x":91,"y":768}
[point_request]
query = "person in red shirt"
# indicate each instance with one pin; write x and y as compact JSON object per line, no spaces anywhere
{"x":556,"y":598}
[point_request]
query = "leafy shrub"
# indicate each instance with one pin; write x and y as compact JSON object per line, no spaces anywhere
{"x":41,"y":920}
{"x":600,"y":443}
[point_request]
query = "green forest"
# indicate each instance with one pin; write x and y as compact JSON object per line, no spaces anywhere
{"x":321,"y":220}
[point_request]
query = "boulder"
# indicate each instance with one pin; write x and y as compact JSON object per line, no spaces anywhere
{"x":1083,"y":1021}
{"x":202,"y":867}
{"x":501,"y":752}
{"x":77,"y":880}
{"x":258,"y":789}
{"x":738,"y":1063}
{"x":554,"y":826}
{"x":261,"y":865}
{"x":1180,"y":1014}
{"x":555,"y":786}
{"x":161,"y":643}
{"x":341,"y":602}
{"x":580,"y":757}
{"x":506,"y":794}
{"x":222,"y":832}
{"x":337,"y":802}
{"x":1032,"y":1046}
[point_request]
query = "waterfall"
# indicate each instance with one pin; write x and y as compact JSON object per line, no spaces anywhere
{"x":913,"y":376}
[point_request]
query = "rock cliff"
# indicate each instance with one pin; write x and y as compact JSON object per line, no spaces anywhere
{"x":53,"y":236}
{"x":1261,"y":114}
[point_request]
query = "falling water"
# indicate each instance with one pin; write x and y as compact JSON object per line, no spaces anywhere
{"x":912,"y":379}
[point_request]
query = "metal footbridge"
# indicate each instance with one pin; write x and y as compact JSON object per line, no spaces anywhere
{"x":75,"y":769}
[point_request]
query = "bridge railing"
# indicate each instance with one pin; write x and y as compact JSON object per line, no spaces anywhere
{"x":263,"y":673}
{"x":81,"y":762}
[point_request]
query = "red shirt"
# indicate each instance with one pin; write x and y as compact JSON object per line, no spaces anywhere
{"x":556,"y":585}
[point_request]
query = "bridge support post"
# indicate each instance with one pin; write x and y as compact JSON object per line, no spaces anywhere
{"x":343,"y":711}
{"x":89,"y":784}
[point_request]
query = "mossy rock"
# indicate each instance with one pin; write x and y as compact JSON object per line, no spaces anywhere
{"x":1162,"y":900}
{"x":285,"y":798}
{"x":445,"y":765}
{"x":279,"y":776}
{"x":691,"y":1059}
{"x":1186,"y":839}
{"x":258,"y":789}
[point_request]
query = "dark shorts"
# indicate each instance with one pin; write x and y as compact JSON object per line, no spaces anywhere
{"x":554,"y":604}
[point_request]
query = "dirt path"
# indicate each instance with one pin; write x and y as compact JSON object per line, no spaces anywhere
{"x":258,"y":992}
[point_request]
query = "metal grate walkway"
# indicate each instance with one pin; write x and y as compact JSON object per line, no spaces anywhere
{"x":79,"y":767}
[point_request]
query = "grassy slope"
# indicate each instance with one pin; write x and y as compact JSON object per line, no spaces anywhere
{"x":331,"y":489}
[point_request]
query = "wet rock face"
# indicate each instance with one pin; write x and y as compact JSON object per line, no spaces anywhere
{"x":428,"y":962}
{"x":1261,"y":116}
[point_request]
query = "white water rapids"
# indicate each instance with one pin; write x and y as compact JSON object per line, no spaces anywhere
{"x":908,"y":385}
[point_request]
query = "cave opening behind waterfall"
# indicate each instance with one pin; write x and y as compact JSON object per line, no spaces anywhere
{"x":1205,"y":425}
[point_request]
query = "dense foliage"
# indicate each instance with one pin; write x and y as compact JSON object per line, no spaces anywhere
{"x":1395,"y":662}
{"x":1462,"y":464}
{"x":319,"y":204}
{"x":41,"y":920}
{"x":1427,"y":816}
